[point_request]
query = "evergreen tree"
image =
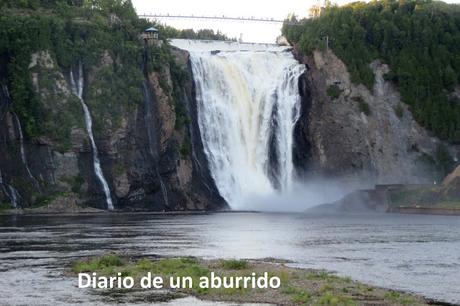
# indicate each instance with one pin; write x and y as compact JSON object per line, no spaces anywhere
{"x":418,"y":39}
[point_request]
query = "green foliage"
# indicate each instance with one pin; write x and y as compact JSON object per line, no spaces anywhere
{"x":444,"y":160}
{"x":399,"y":111}
{"x":75,"y":182}
{"x":234,"y":264}
{"x":333,"y":91}
{"x":441,"y":164}
{"x":363,"y":106}
{"x":46,"y":199}
{"x":301,"y":298}
{"x":5,"y":206}
{"x":115,"y":91}
{"x":320,"y":275}
{"x":71,"y":31}
{"x":119,"y":169}
{"x":331,"y":299}
{"x":397,"y":298}
{"x":162,"y":58}
{"x":419,"y":39}
{"x":186,"y":147}
{"x":179,"y":76}
{"x":97,"y":264}
{"x":412,"y":197}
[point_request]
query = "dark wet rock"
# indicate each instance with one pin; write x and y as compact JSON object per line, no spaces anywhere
{"x":141,"y":156}
{"x":336,"y":138}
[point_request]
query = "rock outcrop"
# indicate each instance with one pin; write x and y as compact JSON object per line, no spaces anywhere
{"x":151,"y":151}
{"x":351,"y":132}
{"x":452,"y":176}
{"x":174,"y":177}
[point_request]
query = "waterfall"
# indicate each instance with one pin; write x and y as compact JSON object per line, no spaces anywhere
{"x":10,"y":192}
{"x":51,"y":165}
{"x":14,"y":196}
{"x":23,"y":152}
{"x":248,"y":103}
{"x":6,"y":95}
{"x":77,"y":89}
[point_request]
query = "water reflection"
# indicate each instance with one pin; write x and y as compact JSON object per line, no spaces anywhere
{"x":416,"y":253}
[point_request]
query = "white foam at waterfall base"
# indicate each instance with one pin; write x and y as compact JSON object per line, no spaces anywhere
{"x":239,"y":96}
{"x":77,"y":89}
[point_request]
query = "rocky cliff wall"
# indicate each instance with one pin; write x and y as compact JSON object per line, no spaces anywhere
{"x":169,"y":173}
{"x":353,"y":133}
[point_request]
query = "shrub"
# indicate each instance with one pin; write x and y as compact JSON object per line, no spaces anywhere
{"x":234,"y":264}
{"x":186,"y":147}
{"x":444,"y":160}
{"x":5,"y":206}
{"x":106,"y":261}
{"x":415,"y":39}
{"x":77,"y":183}
{"x":364,"y":108}
{"x":333,"y":91}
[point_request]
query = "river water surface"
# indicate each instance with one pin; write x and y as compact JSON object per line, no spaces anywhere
{"x":416,"y":253}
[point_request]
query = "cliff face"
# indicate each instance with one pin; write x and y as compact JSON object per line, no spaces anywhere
{"x":148,"y":160}
{"x":149,"y":142}
{"x":356,"y":133}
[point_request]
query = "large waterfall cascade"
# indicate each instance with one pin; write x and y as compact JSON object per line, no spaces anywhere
{"x":248,"y":103}
{"x":77,"y":88}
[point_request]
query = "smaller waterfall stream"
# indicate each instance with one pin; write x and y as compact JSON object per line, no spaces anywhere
{"x":14,"y":195}
{"x":23,"y":152}
{"x":77,"y":89}
{"x":10,"y":192}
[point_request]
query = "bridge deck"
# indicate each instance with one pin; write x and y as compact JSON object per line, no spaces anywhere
{"x":252,"y":19}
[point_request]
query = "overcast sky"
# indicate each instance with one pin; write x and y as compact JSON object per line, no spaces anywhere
{"x":250,"y":31}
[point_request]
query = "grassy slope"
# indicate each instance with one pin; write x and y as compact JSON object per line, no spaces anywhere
{"x":443,"y":197}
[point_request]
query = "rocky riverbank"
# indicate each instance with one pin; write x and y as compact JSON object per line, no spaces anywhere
{"x":403,"y":198}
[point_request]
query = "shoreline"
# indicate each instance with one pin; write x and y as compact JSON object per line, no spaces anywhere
{"x":299,"y":286}
{"x":92,"y":212}
{"x":31,"y":212}
{"x":425,"y":211}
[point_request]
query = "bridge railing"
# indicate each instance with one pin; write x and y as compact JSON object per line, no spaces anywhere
{"x":223,"y":17}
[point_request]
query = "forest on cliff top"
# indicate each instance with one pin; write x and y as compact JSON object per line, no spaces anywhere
{"x":79,"y":30}
{"x":418,"y":39}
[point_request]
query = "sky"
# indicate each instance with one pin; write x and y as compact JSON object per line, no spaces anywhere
{"x":248,"y":31}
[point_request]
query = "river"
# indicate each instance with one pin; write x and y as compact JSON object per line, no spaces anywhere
{"x":415,"y":253}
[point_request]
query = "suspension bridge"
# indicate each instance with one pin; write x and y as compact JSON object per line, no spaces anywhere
{"x":212,"y":18}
